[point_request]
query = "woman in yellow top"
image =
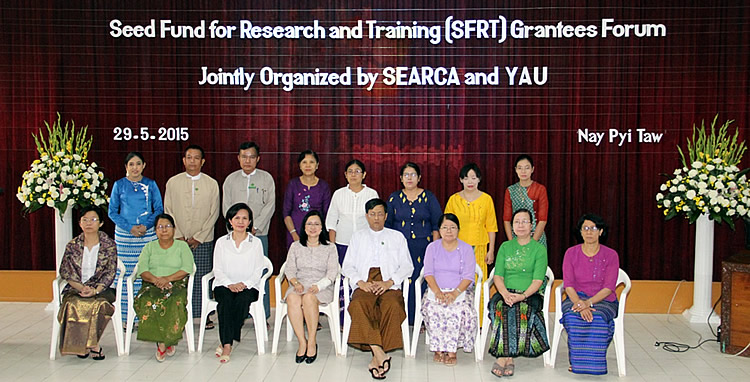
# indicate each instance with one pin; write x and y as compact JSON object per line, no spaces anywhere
{"x":476,"y":212}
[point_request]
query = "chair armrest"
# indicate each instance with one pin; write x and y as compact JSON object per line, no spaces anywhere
{"x":558,"y":298}
{"x":57,"y":286}
{"x":277,"y":284}
{"x":347,"y":289}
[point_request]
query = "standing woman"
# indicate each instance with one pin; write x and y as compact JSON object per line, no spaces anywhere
{"x":415,"y":213}
{"x":476,"y":212}
{"x":518,"y":322}
{"x":346,"y":214}
{"x":526,"y":194}
{"x":590,"y":273}
{"x":164,"y":266}
{"x":88,"y":265}
{"x":311,"y":268}
{"x":133,"y":206}
{"x":304,"y":194}
{"x":238,"y":268}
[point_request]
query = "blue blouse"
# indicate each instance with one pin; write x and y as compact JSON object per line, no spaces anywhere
{"x":133,"y":203}
{"x":415,"y":220}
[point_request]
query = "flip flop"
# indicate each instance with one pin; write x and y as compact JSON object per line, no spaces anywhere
{"x":450,"y":360}
{"x":160,"y":355}
{"x":509,"y":370}
{"x":497,"y":370}
{"x":373,"y":372}
{"x":219,"y":351}
{"x":171,"y":350}
{"x":438,"y":357}
{"x":382,"y":365}
{"x":97,"y":355}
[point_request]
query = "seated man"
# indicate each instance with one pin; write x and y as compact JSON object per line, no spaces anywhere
{"x":377,"y":262}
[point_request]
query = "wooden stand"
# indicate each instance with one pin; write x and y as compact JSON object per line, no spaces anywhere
{"x":735,"y":303}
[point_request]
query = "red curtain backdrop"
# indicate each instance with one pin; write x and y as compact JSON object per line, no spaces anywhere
{"x":60,"y":57}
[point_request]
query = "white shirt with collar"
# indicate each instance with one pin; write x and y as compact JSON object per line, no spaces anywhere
{"x":386,"y":248}
{"x":243,"y":264}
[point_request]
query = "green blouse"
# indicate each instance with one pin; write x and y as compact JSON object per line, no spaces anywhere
{"x":520,"y":264}
{"x":164,"y":262}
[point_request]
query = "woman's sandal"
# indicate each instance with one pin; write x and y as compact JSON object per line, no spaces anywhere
{"x":450,"y":360}
{"x":438,"y":357}
{"x":97,"y":355}
{"x":209,"y":324}
{"x":219,"y":351}
{"x":224,"y":358}
{"x":160,"y":355}
{"x":509,"y":370}
{"x":497,"y":370}
{"x":374,"y":373}
{"x":386,"y":361}
{"x":83,"y":356}
{"x":171,"y":350}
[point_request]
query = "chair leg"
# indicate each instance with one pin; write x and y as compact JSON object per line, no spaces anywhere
{"x":619,"y":340}
{"x":129,"y":330}
{"x":345,"y":334}
{"x":277,"y":322}
{"x":190,"y":333}
{"x":555,"y":340}
{"x":260,"y":327}
{"x":415,"y":334}
{"x":54,"y":341}
{"x":333,"y":324}
{"x":116,"y":322}
{"x":405,"y":339}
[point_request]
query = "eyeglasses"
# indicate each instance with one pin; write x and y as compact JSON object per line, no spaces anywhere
{"x":313,"y":224}
{"x":87,"y":220}
{"x":354,"y":172}
{"x":376,"y":214}
{"x":521,"y":222}
{"x":162,"y":226}
{"x":586,"y":229}
{"x":410,"y":175}
{"x":449,"y":228}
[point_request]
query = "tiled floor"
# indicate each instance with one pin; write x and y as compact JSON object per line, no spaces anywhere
{"x":25,"y":334}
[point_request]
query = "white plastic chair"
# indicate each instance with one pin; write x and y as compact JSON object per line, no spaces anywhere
{"x":418,"y":313}
{"x":619,"y":336}
{"x":348,"y":319}
{"x":545,"y":310}
{"x":57,"y":286}
{"x":331,"y":310}
{"x":256,"y":308}
{"x":189,"y":331}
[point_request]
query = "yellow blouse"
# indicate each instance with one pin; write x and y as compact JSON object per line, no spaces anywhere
{"x":477,"y":218}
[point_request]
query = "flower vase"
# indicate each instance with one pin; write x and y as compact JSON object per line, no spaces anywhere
{"x":703,"y":271}
{"x":63,"y":235}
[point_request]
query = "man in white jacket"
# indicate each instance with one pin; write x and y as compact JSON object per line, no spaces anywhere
{"x":377,"y":262}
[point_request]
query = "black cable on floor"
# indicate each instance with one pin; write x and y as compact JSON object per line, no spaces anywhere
{"x":676,"y":347}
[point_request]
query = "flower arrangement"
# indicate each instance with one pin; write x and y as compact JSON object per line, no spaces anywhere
{"x":710,"y":182}
{"x":62,"y":176}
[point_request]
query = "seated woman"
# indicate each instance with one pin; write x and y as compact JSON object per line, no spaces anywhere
{"x":377,"y":262}
{"x":590,"y":273}
{"x":164,"y":265}
{"x":88,"y":265}
{"x":518,"y":327}
{"x":448,"y":308}
{"x":238,"y":268}
{"x":311,"y":268}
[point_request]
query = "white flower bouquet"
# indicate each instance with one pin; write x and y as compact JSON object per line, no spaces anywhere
{"x":62,"y":176}
{"x":710,"y":183}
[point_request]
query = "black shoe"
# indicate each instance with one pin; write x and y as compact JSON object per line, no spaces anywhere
{"x":311,"y":358}
{"x":209,"y":324}
{"x":84,"y":356}
{"x":300,"y":358}
{"x":98,"y":355}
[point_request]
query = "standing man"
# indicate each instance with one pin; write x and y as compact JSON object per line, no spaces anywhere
{"x":192,"y":198}
{"x":257,"y":189}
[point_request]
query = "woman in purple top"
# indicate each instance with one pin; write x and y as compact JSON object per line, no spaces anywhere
{"x":590,"y":273}
{"x":304,"y":194}
{"x":448,"y":311}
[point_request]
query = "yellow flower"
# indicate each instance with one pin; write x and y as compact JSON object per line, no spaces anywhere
{"x":666,"y":212}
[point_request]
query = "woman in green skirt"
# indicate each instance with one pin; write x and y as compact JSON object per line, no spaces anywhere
{"x":164,"y":265}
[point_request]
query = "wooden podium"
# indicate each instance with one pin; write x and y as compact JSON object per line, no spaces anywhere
{"x":735,"y":303}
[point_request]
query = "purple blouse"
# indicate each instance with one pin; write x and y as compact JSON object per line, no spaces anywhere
{"x":449,"y":268}
{"x":591,"y":274}
{"x":300,"y":199}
